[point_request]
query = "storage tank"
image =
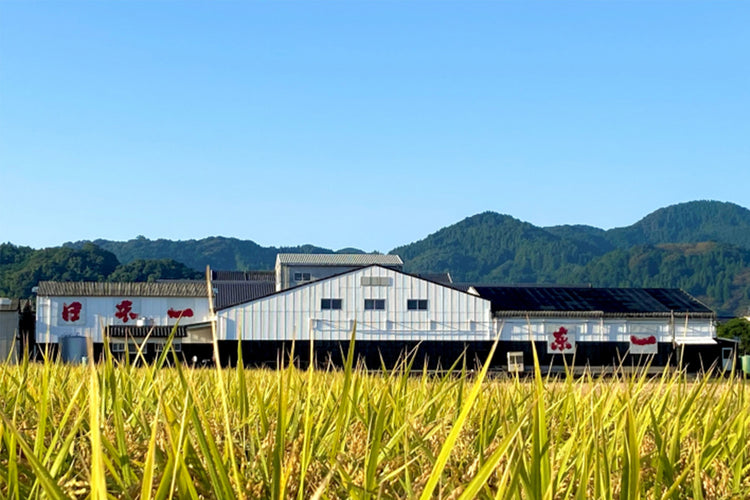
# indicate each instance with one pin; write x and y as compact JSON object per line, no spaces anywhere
{"x":73,"y":349}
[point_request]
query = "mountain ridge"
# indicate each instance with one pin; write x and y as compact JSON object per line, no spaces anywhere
{"x":700,"y":246}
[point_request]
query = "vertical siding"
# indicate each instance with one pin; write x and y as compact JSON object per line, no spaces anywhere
{"x":451,"y":314}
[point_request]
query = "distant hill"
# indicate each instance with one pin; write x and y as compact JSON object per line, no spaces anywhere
{"x":700,"y":246}
{"x":218,"y":252}
{"x":688,"y":223}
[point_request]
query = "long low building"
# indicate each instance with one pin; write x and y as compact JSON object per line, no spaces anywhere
{"x":394,"y":313}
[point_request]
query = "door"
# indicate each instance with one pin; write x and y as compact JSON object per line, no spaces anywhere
{"x":727,"y":358}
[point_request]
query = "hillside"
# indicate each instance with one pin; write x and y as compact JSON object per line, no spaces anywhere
{"x":218,"y":252}
{"x":688,"y":223}
{"x":701,"y":246}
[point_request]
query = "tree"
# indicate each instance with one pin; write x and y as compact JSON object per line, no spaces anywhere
{"x":737,"y":328}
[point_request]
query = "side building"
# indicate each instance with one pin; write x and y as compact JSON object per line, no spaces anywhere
{"x":127,"y":314}
{"x":605,"y":326}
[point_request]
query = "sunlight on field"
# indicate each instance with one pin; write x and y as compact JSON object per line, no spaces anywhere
{"x":161,"y":432}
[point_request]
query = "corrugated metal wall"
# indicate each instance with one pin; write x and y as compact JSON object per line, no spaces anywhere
{"x":297,"y":313}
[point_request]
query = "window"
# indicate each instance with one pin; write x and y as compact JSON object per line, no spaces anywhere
{"x":117,"y":347}
{"x":416,"y":304}
{"x":301,"y":276}
{"x":330,"y":304}
{"x":159,"y":347}
{"x":375,"y":281}
{"x":374,"y":304}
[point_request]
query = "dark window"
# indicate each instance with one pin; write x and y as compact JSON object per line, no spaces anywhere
{"x":416,"y":304}
{"x":375,"y":304}
{"x":330,"y":303}
{"x":301,"y":276}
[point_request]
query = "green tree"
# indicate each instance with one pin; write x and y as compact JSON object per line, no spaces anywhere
{"x":737,"y":328}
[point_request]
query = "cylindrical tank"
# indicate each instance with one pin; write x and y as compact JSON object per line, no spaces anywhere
{"x":746,"y":363}
{"x":73,"y":349}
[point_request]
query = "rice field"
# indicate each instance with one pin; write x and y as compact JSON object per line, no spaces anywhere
{"x":115,"y":430}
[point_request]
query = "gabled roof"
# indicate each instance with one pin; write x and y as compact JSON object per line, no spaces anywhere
{"x":337,"y":275}
{"x":515,"y":301}
{"x":338,"y":259}
{"x":97,"y":289}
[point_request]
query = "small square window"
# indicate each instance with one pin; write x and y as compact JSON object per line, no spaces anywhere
{"x":375,"y":304}
{"x":416,"y":304}
{"x":330,"y":304}
{"x":301,"y":276}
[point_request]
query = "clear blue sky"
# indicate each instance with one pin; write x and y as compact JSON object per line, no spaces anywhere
{"x":364,"y":124}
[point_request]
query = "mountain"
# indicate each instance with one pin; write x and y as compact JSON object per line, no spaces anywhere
{"x":700,"y":246}
{"x":218,"y":252}
{"x":22,"y":268}
{"x":495,"y":247}
{"x":688,"y":223}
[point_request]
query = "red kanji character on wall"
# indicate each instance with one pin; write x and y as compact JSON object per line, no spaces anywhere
{"x":561,"y":340}
{"x":124,"y":309}
{"x":71,"y":312}
{"x":176,"y":313}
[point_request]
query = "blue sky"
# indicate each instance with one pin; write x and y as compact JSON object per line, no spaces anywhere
{"x":363,"y":124}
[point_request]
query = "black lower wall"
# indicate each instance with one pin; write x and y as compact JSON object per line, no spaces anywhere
{"x":435,"y":355}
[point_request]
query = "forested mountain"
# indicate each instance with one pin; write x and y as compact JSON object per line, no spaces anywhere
{"x":688,"y":223}
{"x":218,"y":252}
{"x":22,"y":268}
{"x":702,"y":247}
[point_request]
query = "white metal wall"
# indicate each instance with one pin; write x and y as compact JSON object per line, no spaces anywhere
{"x":607,"y":330}
{"x":297,"y":313}
{"x":97,"y":312}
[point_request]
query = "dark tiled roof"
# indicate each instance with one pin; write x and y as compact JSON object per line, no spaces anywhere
{"x":444,"y":278}
{"x":95,"y":289}
{"x":243,"y":276}
{"x":230,"y":293}
{"x":607,"y":301}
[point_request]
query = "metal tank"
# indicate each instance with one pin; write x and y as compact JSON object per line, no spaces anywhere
{"x":73,"y":349}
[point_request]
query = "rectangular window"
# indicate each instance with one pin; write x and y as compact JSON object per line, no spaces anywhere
{"x":374,"y":304}
{"x":159,"y":347}
{"x":330,"y":304}
{"x":416,"y":304}
{"x":301,"y":276}
{"x":375,"y":281}
{"x":117,"y":347}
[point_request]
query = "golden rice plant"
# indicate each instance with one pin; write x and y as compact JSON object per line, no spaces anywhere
{"x":118,"y":429}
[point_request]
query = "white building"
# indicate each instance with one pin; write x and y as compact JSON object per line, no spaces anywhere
{"x":123,"y":310}
{"x":386,"y":304}
{"x":294,"y":269}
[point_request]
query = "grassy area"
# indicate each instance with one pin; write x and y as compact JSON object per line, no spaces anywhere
{"x":122,"y":431}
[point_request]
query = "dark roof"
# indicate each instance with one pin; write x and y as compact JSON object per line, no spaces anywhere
{"x":444,"y":278}
{"x":97,"y":289}
{"x":231,"y":293}
{"x":243,"y":276}
{"x":514,"y":301}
